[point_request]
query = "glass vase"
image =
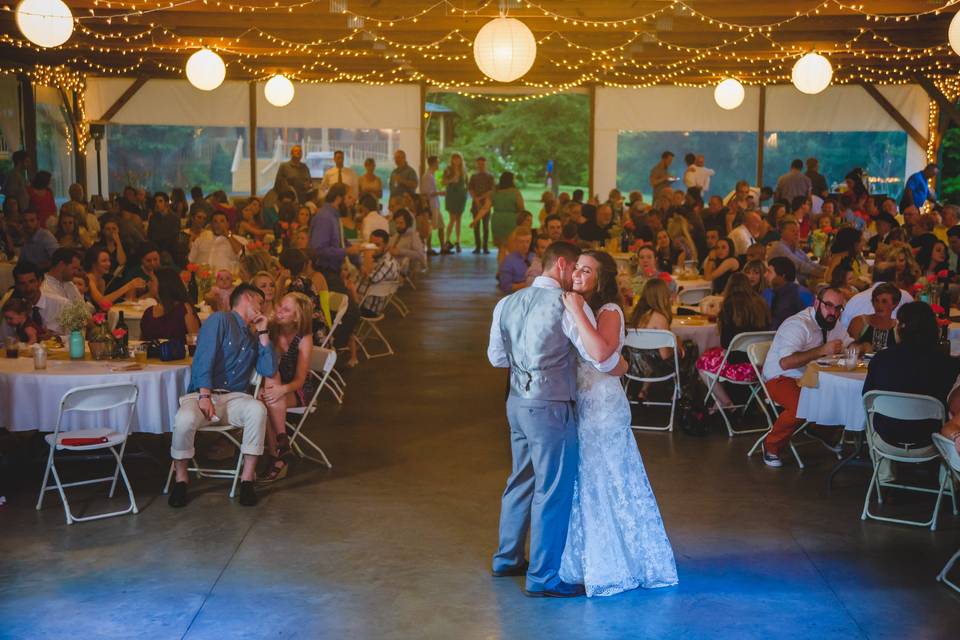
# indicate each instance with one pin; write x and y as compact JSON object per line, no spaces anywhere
{"x":76,"y":345}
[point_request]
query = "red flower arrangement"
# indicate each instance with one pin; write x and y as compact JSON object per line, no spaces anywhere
{"x":943,"y":274}
{"x":119,"y":333}
{"x":636,"y":246}
{"x":192,"y":267}
{"x":915,"y":251}
{"x":185,"y":277}
{"x":937,"y":309}
{"x":99,"y":318}
{"x":916,"y":288}
{"x":105,"y":304}
{"x":663,"y":275}
{"x":943,"y":322}
{"x":931,"y":278}
{"x":294,"y":225}
{"x":284,"y":225}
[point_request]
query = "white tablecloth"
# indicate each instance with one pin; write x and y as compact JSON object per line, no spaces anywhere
{"x":6,"y":276}
{"x":706,"y":336}
{"x":30,"y":399}
{"x":838,"y":400}
{"x":698,"y":283}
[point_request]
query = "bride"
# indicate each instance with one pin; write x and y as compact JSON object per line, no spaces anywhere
{"x":616,"y":540}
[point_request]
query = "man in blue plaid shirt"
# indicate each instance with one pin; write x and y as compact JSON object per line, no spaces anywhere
{"x":378,"y":266}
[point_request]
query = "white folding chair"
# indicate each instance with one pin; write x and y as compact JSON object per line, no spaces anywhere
{"x":693,"y":295}
{"x":740,"y":342}
{"x":902,"y":406}
{"x":86,"y":400}
{"x":321,"y":364}
{"x":654,"y":339}
{"x":368,"y":326}
{"x":228,"y":431}
{"x":335,"y":383}
{"x":951,"y":463}
{"x":757,"y":353}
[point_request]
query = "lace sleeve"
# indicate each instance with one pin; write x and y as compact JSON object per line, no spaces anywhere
{"x":614,"y":307}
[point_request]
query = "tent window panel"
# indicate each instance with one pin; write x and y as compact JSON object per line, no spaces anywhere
{"x":55,"y":146}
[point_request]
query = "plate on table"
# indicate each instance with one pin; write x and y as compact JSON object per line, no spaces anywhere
{"x":828,"y":362}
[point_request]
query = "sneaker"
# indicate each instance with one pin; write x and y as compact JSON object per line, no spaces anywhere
{"x":770,"y":459}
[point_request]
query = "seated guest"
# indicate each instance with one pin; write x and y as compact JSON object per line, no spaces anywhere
{"x":291,"y":333}
{"x":715,"y":216}
{"x":668,"y":255}
{"x":17,"y":322}
{"x":878,"y":330}
{"x":885,"y":223}
{"x":221,"y":249}
{"x":143,"y":267}
{"x":898,"y":258}
{"x":951,"y":430}
{"x":251,"y":225}
{"x":44,"y":309}
{"x":788,"y":246}
{"x":915,"y":365}
{"x":862,"y":303}
{"x":934,"y":258}
{"x":267,"y":283}
{"x":842,"y":279}
{"x":70,"y":234}
{"x":164,"y":228}
{"x":370,"y":217}
{"x":58,"y":282}
{"x":110,"y":240}
{"x":756,"y":272}
{"x":198,"y":224}
{"x":96,"y":262}
{"x":847,"y":247}
{"x":406,"y":245}
{"x":301,"y":277}
{"x":746,"y":233}
{"x":132,"y":230}
{"x":173,"y":316}
{"x":784,"y":296}
{"x":218,"y":297}
{"x":38,"y":244}
{"x":653,"y":311}
{"x":553,"y":228}
{"x":743,"y":310}
{"x":598,"y":225}
{"x":720,"y":263}
{"x":512,"y":274}
{"x":377,"y":266}
{"x":227,"y":352}
{"x":536,"y":261}
{"x":802,"y":338}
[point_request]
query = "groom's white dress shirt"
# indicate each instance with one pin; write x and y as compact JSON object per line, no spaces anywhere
{"x":498,"y":355}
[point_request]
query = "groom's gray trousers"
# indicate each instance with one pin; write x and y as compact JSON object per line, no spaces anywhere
{"x":543,"y":440}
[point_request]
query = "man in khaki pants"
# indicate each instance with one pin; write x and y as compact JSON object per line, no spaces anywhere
{"x":227,"y":352}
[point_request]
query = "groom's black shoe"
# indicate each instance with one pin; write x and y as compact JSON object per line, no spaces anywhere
{"x":562,"y":590}
{"x":511,"y":572}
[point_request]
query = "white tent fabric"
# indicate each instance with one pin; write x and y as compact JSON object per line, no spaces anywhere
{"x":839,"y":108}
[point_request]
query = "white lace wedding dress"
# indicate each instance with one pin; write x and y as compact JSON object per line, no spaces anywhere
{"x":616,"y":540}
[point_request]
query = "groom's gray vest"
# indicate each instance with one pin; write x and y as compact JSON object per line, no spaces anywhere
{"x":542,"y":359}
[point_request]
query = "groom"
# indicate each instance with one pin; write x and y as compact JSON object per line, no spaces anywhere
{"x":537,"y":339}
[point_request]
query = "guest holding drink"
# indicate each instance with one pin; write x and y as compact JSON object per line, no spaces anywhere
{"x":173,"y":316}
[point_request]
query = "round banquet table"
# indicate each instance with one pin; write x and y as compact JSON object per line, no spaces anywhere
{"x":695,"y":328}
{"x":837,"y":400}
{"x":6,"y":276}
{"x":30,"y":399}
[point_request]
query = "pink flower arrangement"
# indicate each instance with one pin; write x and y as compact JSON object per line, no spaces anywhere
{"x":943,"y":322}
{"x":99,"y":318}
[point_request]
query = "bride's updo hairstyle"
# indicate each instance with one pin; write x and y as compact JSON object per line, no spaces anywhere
{"x":607,"y":290}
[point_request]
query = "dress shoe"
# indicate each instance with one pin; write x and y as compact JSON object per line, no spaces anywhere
{"x":511,"y":572}
{"x":562,"y":590}
{"x":476,"y":251}
{"x":248,"y":495}
{"x":178,"y":495}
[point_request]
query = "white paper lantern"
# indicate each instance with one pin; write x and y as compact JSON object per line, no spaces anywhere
{"x":47,"y":23}
{"x":729,"y":94}
{"x":954,"y":33}
{"x":205,"y":70}
{"x":504,"y":49}
{"x":812,"y":73}
{"x":278,"y":91}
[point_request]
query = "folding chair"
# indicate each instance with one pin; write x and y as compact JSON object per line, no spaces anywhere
{"x":321,"y":364}
{"x":740,"y":342}
{"x":368,"y":326}
{"x":339,"y":303}
{"x":86,"y":400}
{"x":951,"y":467}
{"x":902,"y":406}
{"x":228,"y":431}
{"x":654,"y":339}
{"x":757,"y":353}
{"x":693,"y":295}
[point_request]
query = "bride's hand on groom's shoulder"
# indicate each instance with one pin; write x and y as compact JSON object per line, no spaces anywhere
{"x":572,"y":301}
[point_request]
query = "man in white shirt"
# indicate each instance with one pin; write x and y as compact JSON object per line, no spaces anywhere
{"x":812,"y":333}
{"x":862,"y":304}
{"x":339,"y":174}
{"x":697,"y":175}
{"x":45,"y":309}
{"x":58,"y":283}
{"x":217,"y":246}
{"x":373,"y":220}
{"x":747,"y":233}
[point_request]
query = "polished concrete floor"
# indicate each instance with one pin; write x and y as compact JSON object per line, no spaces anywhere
{"x":395,"y":541}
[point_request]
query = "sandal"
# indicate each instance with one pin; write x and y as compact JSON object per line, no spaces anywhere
{"x":280,"y":467}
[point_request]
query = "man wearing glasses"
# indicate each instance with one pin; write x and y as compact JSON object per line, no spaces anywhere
{"x":802,"y":338}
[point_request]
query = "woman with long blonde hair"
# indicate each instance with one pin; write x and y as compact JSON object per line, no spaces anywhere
{"x":679,"y":231}
{"x":455,"y":184}
{"x":654,"y":310}
{"x":291,"y":332}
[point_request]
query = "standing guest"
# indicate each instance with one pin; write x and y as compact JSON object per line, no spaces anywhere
{"x":267,"y":283}
{"x":339,"y":174}
{"x":326,"y":240}
{"x":70,"y":234}
{"x":507,"y":203}
{"x":785,"y":297}
{"x":660,"y":178}
{"x":378,"y":266}
{"x":697,"y":175}
{"x":41,"y":197}
{"x":915,"y":365}
{"x":403,"y":179}
{"x":371,"y":219}
{"x":227,"y":353}
{"x":172,"y":317}
{"x":369,"y":182}
{"x":15,"y":186}
{"x":720,"y":263}
{"x":878,"y":330}
{"x":64,"y":267}
{"x":164,"y":229}
{"x":793,"y":184}
{"x":38,"y":243}
{"x":481,"y":188}
{"x":99,"y":270}
{"x":818,"y":183}
{"x":405,"y":245}
{"x":802,"y":338}
{"x":44,"y":309}
{"x":917,"y":190}
{"x":221,"y":249}
{"x":455,"y":185}
{"x":536,"y":261}
{"x":17,"y":322}
{"x":747,"y":234}
{"x":429,"y":190}
{"x":512,"y":274}
{"x":788,"y":246}
{"x":294,"y":175}
{"x":290,"y":333}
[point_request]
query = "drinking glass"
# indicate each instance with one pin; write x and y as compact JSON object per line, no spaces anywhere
{"x":13,"y":346}
{"x":853,"y":355}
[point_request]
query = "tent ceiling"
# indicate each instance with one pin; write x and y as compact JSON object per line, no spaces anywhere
{"x":378,"y":41}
